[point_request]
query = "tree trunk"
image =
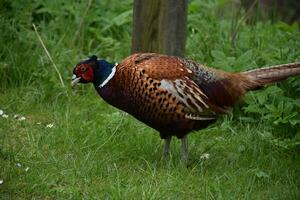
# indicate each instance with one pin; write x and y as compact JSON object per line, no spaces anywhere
{"x":159,"y":26}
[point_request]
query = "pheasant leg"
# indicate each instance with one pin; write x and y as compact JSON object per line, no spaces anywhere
{"x":184,"y":150}
{"x":166,"y":150}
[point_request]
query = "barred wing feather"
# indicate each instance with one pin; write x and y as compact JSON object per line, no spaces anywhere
{"x":194,"y":100}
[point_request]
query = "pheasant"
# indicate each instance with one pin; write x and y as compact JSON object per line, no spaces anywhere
{"x":175,"y":96}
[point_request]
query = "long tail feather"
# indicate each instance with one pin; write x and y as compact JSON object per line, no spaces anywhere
{"x":259,"y":77}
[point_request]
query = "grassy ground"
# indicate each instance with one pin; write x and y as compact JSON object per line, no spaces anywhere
{"x":72,"y":145}
{"x":94,"y":152}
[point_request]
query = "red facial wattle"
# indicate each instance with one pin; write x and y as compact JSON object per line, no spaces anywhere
{"x":85,"y":72}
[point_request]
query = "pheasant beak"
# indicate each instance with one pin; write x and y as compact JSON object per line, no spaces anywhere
{"x":75,"y":80}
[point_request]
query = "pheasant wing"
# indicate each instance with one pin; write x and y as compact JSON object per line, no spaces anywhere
{"x":178,"y":78}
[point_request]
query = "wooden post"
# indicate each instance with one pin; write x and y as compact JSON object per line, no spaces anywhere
{"x":159,"y":26}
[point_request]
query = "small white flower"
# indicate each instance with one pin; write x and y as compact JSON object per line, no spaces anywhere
{"x":18,"y":165}
{"x":49,"y":125}
{"x":16,"y":116}
{"x":1,"y":112}
{"x":39,"y":123}
{"x":22,"y":118}
{"x":1,"y":181}
{"x":26,"y":169}
{"x":204,"y":156}
{"x":5,"y":116}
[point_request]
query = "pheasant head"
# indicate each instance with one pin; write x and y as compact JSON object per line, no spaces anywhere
{"x":93,"y":70}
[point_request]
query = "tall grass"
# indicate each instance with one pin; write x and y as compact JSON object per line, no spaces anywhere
{"x":71,"y":31}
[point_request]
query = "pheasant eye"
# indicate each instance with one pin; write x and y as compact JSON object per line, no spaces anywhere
{"x":82,"y":69}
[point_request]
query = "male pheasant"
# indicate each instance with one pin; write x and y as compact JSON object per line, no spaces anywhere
{"x":173,"y":95}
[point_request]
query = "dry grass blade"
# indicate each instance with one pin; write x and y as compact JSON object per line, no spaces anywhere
{"x":49,"y":56}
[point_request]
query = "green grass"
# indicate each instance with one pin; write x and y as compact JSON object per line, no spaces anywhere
{"x":95,"y":151}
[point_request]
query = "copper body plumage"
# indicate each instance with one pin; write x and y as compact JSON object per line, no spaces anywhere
{"x":176,"y":96}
